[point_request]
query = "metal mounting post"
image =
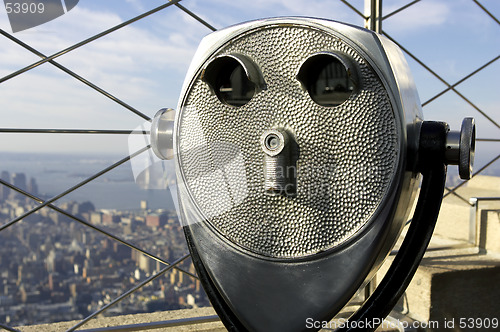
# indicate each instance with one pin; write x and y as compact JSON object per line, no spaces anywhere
{"x":373,"y":15}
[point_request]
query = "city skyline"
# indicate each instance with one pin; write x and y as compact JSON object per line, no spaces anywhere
{"x":53,"y":268}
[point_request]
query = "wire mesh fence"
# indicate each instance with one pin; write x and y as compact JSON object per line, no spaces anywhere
{"x":454,"y":80}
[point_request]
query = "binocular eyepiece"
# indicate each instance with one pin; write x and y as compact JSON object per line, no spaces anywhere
{"x":299,"y":144}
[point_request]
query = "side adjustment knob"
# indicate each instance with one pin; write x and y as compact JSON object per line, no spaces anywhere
{"x":461,"y":148}
{"x":162,"y":133}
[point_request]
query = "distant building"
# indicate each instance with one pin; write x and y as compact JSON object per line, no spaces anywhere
{"x":4,"y":190}
{"x":120,"y":251}
{"x":86,"y":207}
{"x":109,"y":219}
{"x":96,"y":217}
{"x":145,"y":264}
{"x":137,"y":274}
{"x":33,"y":187}
{"x":156,"y":220}
{"x":190,"y":300}
{"x":18,"y":180}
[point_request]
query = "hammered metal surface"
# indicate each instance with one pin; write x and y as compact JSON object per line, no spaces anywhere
{"x":348,"y":154}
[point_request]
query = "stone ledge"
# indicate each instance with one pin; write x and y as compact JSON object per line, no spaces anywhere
{"x":455,"y":285}
{"x":102,"y":322}
{"x":451,"y":284}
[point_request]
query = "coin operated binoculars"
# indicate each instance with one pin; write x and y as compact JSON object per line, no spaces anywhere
{"x":299,"y":147}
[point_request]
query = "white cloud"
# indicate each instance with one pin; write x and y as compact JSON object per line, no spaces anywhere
{"x":137,"y":4}
{"x":135,"y":63}
{"x":120,"y":49}
{"x":424,"y":14}
{"x":236,"y":11}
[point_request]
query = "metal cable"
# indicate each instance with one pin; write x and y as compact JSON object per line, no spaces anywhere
{"x":196,"y":17}
{"x":75,"y":75}
{"x":462,"y":80}
{"x":442,"y":80}
{"x":88,"y":40}
{"x":8,"y":328}
{"x":73,"y":131}
{"x":487,"y":12}
{"x":473,"y":175}
{"x":157,"y":325}
{"x":400,"y":9}
{"x":354,"y":9}
{"x":487,"y":139}
{"x":463,"y":199}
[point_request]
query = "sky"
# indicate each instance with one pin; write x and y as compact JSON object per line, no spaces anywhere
{"x":144,"y":64}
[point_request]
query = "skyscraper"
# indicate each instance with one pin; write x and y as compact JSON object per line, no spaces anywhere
{"x":4,"y":190}
{"x":33,"y":187}
{"x":18,"y":180}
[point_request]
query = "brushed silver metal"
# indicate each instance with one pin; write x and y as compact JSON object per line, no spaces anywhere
{"x":356,"y":172}
{"x":162,"y":133}
{"x":349,"y":155}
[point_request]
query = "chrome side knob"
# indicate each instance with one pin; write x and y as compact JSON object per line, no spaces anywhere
{"x":162,"y":133}
{"x":461,"y":148}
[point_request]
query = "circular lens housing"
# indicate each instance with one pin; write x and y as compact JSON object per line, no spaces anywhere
{"x":327,"y":78}
{"x":231,"y":78}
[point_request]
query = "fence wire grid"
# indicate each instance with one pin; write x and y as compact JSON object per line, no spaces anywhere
{"x":356,"y":15}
